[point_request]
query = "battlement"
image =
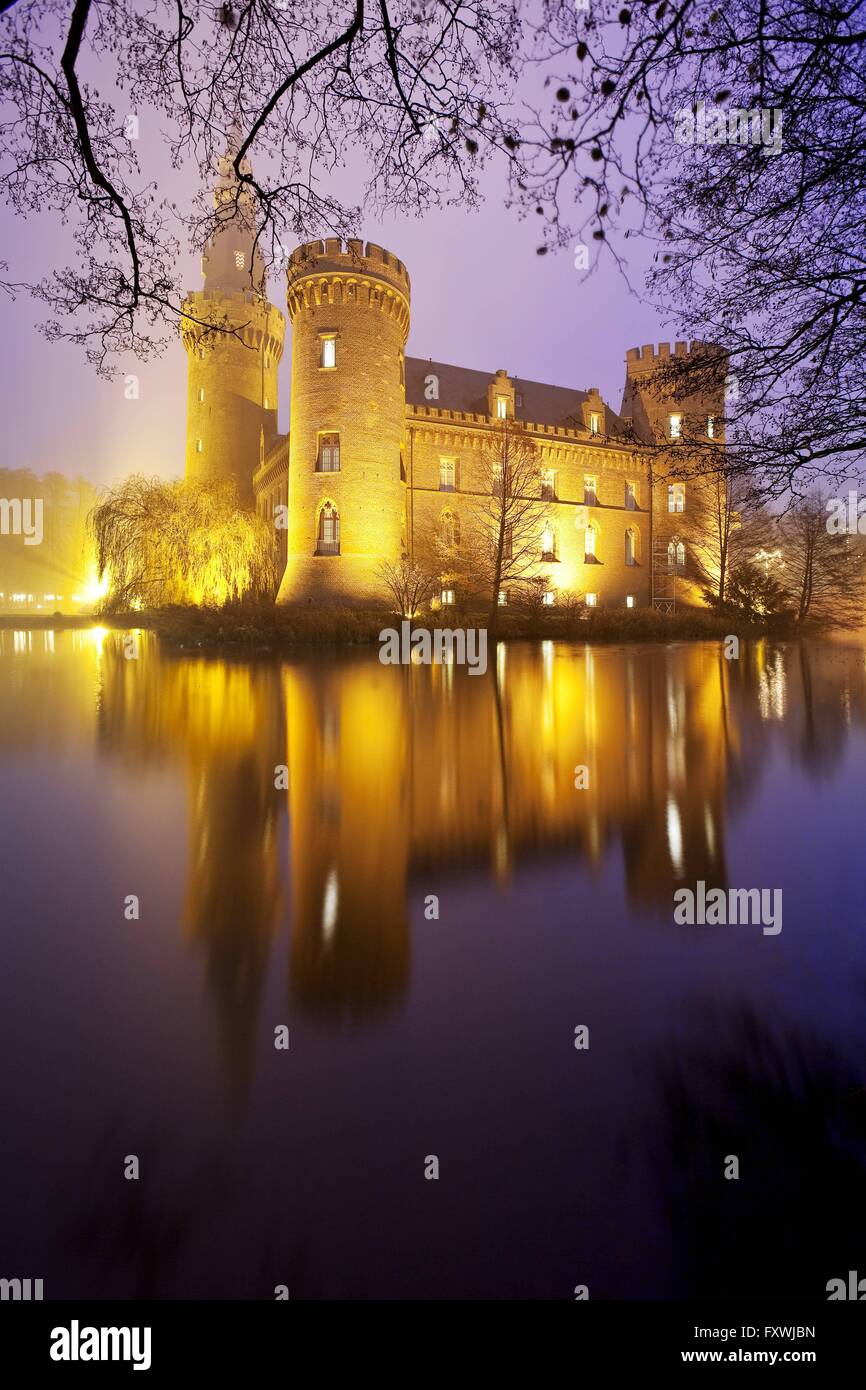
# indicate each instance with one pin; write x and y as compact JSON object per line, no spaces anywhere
{"x":345,"y":257}
{"x":647,"y":358}
{"x":256,"y":322}
{"x":442,"y":415}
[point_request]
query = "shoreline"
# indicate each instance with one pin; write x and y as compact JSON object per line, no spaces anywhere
{"x":273,"y":628}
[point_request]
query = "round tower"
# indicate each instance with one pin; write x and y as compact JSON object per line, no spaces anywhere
{"x":349,"y":307}
{"x":234,"y":342}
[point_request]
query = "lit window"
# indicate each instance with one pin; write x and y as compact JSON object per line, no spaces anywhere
{"x":201,"y":393}
{"x":629,"y":547}
{"x":502,"y":598}
{"x":198,"y":446}
{"x":548,"y":484}
{"x":594,"y":422}
{"x":548,"y":542}
{"x":711,"y":427}
{"x":328,"y":538}
{"x":328,"y":460}
{"x":676,"y":497}
{"x":676,"y":555}
{"x":447,"y":474}
{"x":630,"y":497}
{"x":329,"y":352}
{"x":591,"y":600}
{"x":447,"y":598}
{"x":549,"y":598}
{"x":676,"y":426}
{"x":267,"y":407}
{"x":501,"y":407}
{"x":240,"y":260}
{"x":589,"y":544}
{"x":590,"y":496}
{"x":629,"y":600}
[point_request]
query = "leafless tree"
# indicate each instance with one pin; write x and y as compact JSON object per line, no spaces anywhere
{"x":757,"y":218}
{"x":500,"y":546}
{"x":409,"y":584}
{"x":825,"y":572}
{"x":416,"y":87}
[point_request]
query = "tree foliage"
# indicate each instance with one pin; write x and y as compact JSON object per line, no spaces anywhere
{"x":180,"y":542}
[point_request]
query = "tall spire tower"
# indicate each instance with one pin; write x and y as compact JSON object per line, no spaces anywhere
{"x":234,"y":341}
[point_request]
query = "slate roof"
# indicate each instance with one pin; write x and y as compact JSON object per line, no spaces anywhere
{"x":464,"y":389}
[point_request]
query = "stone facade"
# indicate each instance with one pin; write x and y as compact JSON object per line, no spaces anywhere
{"x":384,"y":450}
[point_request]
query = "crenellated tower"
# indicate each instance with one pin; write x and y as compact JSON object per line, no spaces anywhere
{"x":234,"y":341}
{"x":349,"y":308}
{"x":675,"y":402}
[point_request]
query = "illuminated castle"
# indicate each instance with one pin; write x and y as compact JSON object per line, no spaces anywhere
{"x":386,"y":449}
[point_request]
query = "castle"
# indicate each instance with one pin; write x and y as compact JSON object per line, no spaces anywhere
{"x":384,"y":449}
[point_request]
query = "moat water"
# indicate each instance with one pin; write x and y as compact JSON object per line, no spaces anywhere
{"x":412,"y":1035}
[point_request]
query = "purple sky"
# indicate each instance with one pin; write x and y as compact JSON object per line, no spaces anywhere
{"x":481,"y":297}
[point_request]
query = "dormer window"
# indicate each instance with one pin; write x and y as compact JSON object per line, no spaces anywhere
{"x":595,"y":422}
{"x":328,"y":350}
{"x":501,"y":408}
{"x":675,"y":426}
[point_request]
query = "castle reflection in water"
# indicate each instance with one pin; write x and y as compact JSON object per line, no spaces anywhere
{"x":401,"y":778}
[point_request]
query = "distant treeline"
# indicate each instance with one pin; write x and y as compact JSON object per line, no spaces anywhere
{"x":57,"y":562}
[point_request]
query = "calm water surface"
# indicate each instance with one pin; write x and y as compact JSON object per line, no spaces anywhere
{"x":413,"y":1037}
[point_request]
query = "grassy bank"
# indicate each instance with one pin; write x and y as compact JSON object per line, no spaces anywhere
{"x":278,"y":627}
{"x":270,"y":627}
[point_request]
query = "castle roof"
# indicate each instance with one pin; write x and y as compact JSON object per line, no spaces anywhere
{"x":464,"y":389}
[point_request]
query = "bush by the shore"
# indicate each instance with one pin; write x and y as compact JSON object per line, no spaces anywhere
{"x":267,"y":626}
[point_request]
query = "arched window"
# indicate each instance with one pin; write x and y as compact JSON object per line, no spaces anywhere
{"x":676,"y":555}
{"x":676,"y":497}
{"x":681,"y":555}
{"x":328,"y":536}
{"x":630,"y":547}
{"x":548,"y":542}
{"x":450,"y":529}
{"x":590,"y":544}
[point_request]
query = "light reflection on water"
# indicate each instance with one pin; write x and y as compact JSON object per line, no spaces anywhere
{"x":413,"y":1034}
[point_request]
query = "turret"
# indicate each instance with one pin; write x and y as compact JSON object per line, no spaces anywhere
{"x":349,"y":307}
{"x":234,"y":342}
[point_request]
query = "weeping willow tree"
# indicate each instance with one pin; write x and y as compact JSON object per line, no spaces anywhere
{"x":190,"y":542}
